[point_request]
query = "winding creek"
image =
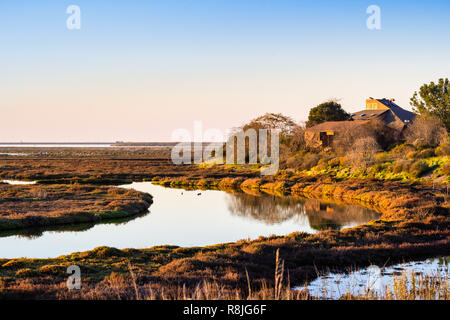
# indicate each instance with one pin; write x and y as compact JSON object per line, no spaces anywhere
{"x":199,"y":218}
{"x":189,"y":218}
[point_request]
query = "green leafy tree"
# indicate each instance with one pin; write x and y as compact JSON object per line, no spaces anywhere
{"x":327,"y":111}
{"x":434,"y":99}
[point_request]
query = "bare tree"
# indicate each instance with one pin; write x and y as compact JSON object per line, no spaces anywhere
{"x":362,"y":151}
{"x":425,"y":130}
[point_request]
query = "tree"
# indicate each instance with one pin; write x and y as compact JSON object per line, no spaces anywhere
{"x":327,"y":111}
{"x":426,"y":130}
{"x":272,"y":121}
{"x":434,"y":99}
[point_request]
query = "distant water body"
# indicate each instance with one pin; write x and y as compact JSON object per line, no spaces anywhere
{"x":98,"y":144}
{"x":56,"y":145}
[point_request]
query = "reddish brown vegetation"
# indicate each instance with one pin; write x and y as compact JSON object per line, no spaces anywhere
{"x":24,"y":206}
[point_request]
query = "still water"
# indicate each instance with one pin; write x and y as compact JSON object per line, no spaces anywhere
{"x":377,"y":279}
{"x":189,"y":218}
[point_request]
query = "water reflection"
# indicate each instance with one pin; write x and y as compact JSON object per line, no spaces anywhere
{"x":320,"y":215}
{"x":188,"y":218}
{"x":376,"y":279}
{"x":34,"y":233}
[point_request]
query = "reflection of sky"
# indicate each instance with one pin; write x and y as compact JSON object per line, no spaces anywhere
{"x":375,"y":278}
{"x":177,"y":217}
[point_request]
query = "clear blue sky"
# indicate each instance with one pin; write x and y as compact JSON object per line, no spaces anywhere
{"x":137,"y":70}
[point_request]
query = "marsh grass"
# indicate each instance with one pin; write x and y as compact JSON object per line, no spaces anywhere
{"x":34,"y":206}
{"x":405,"y":286}
{"x":132,"y":286}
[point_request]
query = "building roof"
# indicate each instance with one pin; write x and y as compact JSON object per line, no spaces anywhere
{"x":335,"y":125}
{"x":367,"y":114}
{"x":398,"y":111}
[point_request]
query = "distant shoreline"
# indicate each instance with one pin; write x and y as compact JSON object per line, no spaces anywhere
{"x":118,"y":143}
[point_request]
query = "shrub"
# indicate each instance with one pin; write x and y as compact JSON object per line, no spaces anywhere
{"x":25,"y":273}
{"x":322,"y":164}
{"x":426,"y":130}
{"x":426,"y":153}
{"x":363,"y":151}
{"x":335,"y":162}
{"x":443,"y":149}
{"x":411,"y":155}
{"x":310,"y":160}
{"x":446,"y":169}
{"x":401,"y":166}
{"x":418,"y":168}
{"x":402,"y":150}
{"x":382,"y":156}
{"x":52,"y":269}
{"x":376,"y":169}
{"x":13,"y":264}
{"x":303,"y":160}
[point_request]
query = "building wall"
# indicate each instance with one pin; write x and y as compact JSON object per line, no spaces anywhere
{"x":374,"y":104}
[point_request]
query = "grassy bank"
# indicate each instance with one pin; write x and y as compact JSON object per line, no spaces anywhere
{"x":38,"y":281}
{"x":37,"y":206}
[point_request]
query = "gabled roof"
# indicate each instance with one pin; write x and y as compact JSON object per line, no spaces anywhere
{"x":398,"y":111}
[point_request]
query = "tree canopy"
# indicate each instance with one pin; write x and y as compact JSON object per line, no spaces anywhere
{"x":272,"y":121}
{"x":327,"y":111}
{"x":434,"y":99}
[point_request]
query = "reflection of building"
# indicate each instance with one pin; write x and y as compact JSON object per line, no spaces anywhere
{"x":319,"y":215}
{"x":384,"y":110}
{"x":314,"y":205}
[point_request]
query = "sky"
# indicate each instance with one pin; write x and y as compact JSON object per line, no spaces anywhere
{"x":139,"y":70}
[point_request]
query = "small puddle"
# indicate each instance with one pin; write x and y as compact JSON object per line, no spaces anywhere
{"x":13,"y":154}
{"x":376,"y":279}
{"x":18,"y":182}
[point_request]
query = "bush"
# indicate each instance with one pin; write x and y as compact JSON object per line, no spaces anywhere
{"x":446,"y":169}
{"x":402,"y":150}
{"x":335,"y":162}
{"x":443,"y":149}
{"x":322,"y":164}
{"x":303,"y":161}
{"x":363,"y":151}
{"x":52,"y":269}
{"x":426,"y":153}
{"x":411,"y":155}
{"x":426,"y":130}
{"x":26,"y":273}
{"x":382,"y":156}
{"x":418,"y":168}
{"x":376,"y":169}
{"x":401,"y":166}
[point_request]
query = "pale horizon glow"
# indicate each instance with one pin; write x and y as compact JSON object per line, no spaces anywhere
{"x":138,"y":70}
